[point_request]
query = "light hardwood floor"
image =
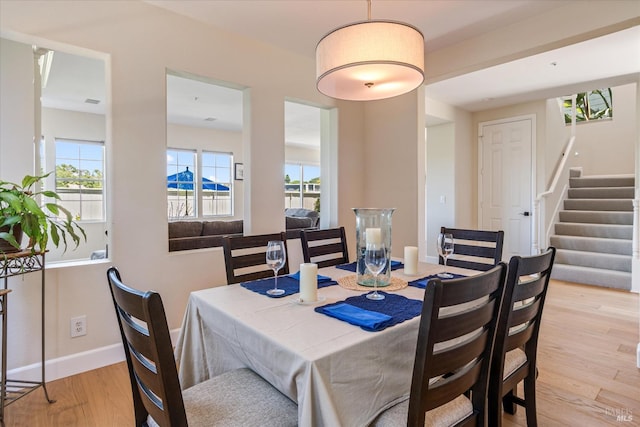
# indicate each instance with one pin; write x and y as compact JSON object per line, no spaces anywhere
{"x":586,"y":358}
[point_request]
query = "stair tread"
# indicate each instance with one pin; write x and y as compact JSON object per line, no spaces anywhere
{"x":612,"y":186}
{"x":619,"y":175}
{"x":568,"y":236}
{"x":581,"y":267}
{"x":591,"y":253}
{"x":603,"y":200}
{"x":597,"y":211}
{"x":596,"y":224}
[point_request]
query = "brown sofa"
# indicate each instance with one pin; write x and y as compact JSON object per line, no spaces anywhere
{"x":186,"y":235}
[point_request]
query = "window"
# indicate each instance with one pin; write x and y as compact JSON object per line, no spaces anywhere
{"x":302,"y":186}
{"x":180,"y":183}
{"x":216,"y":185}
{"x":79,"y":178}
{"x":593,"y":105}
{"x":185,"y":198}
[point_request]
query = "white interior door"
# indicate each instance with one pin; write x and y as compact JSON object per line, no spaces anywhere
{"x":506,"y":177}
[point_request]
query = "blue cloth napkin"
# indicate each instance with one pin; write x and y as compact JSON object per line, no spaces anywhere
{"x":395,"y":265}
{"x":371,"y":315}
{"x":367,"y":320}
{"x":422,"y":283}
{"x":321,"y":278}
{"x":287,"y":283}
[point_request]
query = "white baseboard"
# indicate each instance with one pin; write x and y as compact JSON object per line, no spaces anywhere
{"x":75,"y":363}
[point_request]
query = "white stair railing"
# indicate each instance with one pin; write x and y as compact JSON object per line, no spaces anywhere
{"x":540,"y":226}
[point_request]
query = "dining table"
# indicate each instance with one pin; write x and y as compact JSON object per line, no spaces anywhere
{"x":338,"y":373}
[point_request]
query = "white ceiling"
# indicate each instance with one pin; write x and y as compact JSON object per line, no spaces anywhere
{"x":297,"y":25}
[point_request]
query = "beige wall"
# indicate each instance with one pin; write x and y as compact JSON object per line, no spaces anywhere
{"x":391,"y":158}
{"x":441,"y":182}
{"x":455,"y":152}
{"x":600,"y":144}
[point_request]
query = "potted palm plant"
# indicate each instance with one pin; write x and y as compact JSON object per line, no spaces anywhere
{"x":21,"y":212}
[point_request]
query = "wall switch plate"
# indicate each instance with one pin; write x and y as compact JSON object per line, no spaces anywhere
{"x":78,"y":326}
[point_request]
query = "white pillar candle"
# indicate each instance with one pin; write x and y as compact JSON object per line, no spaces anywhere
{"x":373,"y":236}
{"x":410,"y":260}
{"x":308,"y":282}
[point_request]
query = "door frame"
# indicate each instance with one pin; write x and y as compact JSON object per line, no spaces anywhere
{"x":534,"y":174}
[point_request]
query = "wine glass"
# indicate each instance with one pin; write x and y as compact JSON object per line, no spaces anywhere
{"x":375,"y":258}
{"x":445,"y":249}
{"x":276,"y":258}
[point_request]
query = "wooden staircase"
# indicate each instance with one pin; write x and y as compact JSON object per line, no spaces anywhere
{"x":595,"y":231}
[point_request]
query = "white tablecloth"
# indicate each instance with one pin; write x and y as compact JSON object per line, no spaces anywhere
{"x":339,"y":374}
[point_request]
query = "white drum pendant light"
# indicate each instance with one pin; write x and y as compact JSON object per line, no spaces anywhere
{"x":370,"y":60}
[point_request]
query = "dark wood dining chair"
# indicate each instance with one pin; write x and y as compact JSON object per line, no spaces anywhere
{"x":245,"y":257}
{"x":514,"y":357}
{"x":450,"y":378}
{"x":238,"y":397}
{"x":325,"y":247}
{"x":474,"y":249}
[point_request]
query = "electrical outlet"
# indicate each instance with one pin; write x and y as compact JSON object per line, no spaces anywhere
{"x":78,"y":326}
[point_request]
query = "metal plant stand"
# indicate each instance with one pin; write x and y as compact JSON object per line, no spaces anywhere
{"x":15,"y":264}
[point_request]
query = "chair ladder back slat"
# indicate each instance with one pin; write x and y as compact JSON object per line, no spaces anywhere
{"x":137,"y":336}
{"x":451,"y":327}
{"x":529,"y":289}
{"x":469,"y":265}
{"x":452,"y":387}
{"x":256,"y":275}
{"x":254,"y":241}
{"x":328,"y":249}
{"x":325,"y":242}
{"x":538,"y":264}
{"x":525,"y":314}
{"x":462,"y":291}
{"x":257,"y":259}
{"x":146,"y":373}
{"x":492,"y":252}
{"x":477,"y":251}
{"x":519,"y":338}
{"x":255,"y":256}
{"x":450,"y":359}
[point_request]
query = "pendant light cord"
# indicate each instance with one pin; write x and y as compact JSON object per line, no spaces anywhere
{"x":368,"y":10}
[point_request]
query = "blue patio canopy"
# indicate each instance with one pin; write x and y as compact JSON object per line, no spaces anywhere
{"x":184,"y":181}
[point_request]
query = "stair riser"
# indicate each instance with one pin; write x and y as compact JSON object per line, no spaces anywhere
{"x":620,"y":205}
{"x":595,"y":230}
{"x":608,"y":246}
{"x":594,"y":260}
{"x":591,"y":217}
{"x":602,"y":193}
{"x":612,"y":181}
{"x":590,"y":276}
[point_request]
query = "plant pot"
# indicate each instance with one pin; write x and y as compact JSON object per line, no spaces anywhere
{"x":6,"y":247}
